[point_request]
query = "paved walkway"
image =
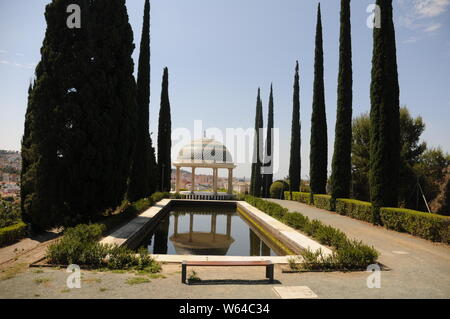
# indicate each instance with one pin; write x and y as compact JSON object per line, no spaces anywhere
{"x":417,"y":265}
{"x":27,"y":250}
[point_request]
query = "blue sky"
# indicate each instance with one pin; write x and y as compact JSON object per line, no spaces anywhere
{"x":219,"y":51}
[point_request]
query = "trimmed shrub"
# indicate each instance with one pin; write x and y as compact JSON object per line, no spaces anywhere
{"x":277,"y":189}
{"x":295,"y":220}
{"x":80,"y":246}
{"x":272,"y":209}
{"x":156,"y":197}
{"x":355,"y":209}
{"x":12,"y":233}
{"x":298,"y":196}
{"x":323,"y":201}
{"x":429,"y":226}
{"x":354,"y":254}
{"x":142,"y":204}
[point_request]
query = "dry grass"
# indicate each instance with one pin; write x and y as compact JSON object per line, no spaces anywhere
{"x":9,"y":273}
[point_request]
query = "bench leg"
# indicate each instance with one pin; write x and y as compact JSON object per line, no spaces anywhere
{"x":183,"y":273}
{"x":269,"y":272}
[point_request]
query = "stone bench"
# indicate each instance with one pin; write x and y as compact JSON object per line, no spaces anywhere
{"x":268,"y":264}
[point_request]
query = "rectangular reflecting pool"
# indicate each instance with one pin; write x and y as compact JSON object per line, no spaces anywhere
{"x":191,"y":229}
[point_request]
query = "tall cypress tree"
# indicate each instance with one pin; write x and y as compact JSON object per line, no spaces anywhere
{"x":319,"y":143}
{"x":164,"y":136}
{"x":114,"y":46}
{"x":54,"y":101}
{"x":142,"y":179}
{"x":295,"y":159}
{"x":256,"y":178}
{"x":80,"y":118}
{"x":384,"y":113}
{"x":342,"y":163}
{"x":268,"y":170}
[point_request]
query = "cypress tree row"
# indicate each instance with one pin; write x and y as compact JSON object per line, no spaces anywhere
{"x":384,"y":113}
{"x":256,"y":178}
{"x":319,"y":144}
{"x":80,"y":119}
{"x":142,"y":179}
{"x":164,"y":137}
{"x":268,"y":170}
{"x":342,"y":162}
{"x":295,"y":159}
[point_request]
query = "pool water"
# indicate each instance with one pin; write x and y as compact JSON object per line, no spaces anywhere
{"x":212,"y":230}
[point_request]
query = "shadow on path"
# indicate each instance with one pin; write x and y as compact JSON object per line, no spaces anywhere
{"x":233,"y":282}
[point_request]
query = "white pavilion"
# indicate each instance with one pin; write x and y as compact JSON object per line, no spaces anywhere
{"x":205,"y":153}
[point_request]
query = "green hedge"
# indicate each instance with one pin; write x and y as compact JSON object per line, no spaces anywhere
{"x":320,"y":200}
{"x":323,"y":201}
{"x":11,"y":234}
{"x":347,"y":254}
{"x":425,"y":225}
{"x":429,"y":226}
{"x":298,"y":196}
{"x":355,"y":208}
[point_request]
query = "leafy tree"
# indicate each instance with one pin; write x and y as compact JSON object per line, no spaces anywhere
{"x":342,"y":164}
{"x":361,"y":157}
{"x":384,"y":114}
{"x":411,"y":147}
{"x":256,"y":178}
{"x":164,"y":136}
{"x":319,"y":144}
{"x":441,"y":204}
{"x":295,"y":159}
{"x":431,"y":173}
{"x":143,"y":178}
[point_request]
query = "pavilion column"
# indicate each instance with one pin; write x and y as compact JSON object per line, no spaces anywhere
{"x":191,"y":226}
{"x":175,"y":226}
{"x":229,"y":225}
{"x":230,"y":181}
{"x":177,"y":183}
{"x":215,"y":176}
{"x":214,"y":225}
{"x":193,"y":180}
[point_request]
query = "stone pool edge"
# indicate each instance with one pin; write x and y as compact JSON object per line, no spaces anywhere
{"x":284,"y":233}
{"x":131,"y":232}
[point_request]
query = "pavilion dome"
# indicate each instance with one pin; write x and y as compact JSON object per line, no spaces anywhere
{"x":204,"y":151}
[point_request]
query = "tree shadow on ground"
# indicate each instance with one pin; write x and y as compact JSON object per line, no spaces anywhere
{"x":42,"y":237}
{"x":234,"y":282}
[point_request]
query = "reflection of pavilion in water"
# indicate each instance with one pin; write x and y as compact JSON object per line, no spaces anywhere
{"x":202,"y":243}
